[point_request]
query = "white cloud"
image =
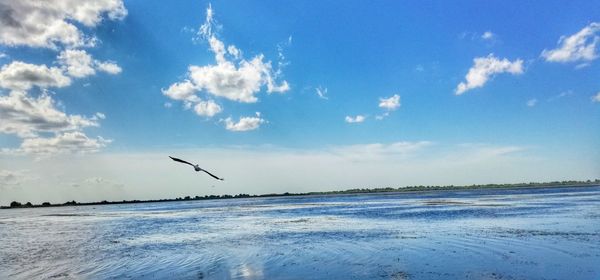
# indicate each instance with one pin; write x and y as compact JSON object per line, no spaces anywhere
{"x":108,"y":67}
{"x":95,"y":182}
{"x":390,"y":103}
{"x":79,"y":64}
{"x":380,"y":150}
{"x":488,"y":35}
{"x":100,"y":115}
{"x":22,"y":76}
{"x":596,"y":98}
{"x":11,"y":178}
{"x":234,"y":52}
{"x":485,"y":68}
{"x":487,"y":151}
{"x":183,"y":91}
{"x":382,"y":116}
{"x":207,"y":108}
{"x":225,"y":79}
{"x":238,"y":83}
{"x":232,"y":77}
{"x":28,"y":116}
{"x":244,"y":124}
{"x":54,"y":24}
{"x":321,"y":92}
{"x":580,"y":46}
{"x":531,"y":102}
{"x":68,"y":142}
{"x":356,"y":119}
{"x":566,"y":93}
{"x":50,"y":23}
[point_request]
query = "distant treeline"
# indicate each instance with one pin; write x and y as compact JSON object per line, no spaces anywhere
{"x":16,"y":204}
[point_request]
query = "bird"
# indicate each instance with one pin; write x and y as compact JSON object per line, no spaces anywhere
{"x":196,"y":167}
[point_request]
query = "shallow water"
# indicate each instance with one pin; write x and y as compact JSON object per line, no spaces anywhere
{"x":551,"y":233}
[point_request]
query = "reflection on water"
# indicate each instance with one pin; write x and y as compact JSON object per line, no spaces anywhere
{"x":549,"y":233}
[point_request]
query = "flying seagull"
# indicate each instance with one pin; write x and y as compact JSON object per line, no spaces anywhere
{"x":196,"y":167}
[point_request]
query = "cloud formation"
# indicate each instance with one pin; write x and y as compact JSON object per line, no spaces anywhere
{"x":563,"y":94}
{"x":244,"y":124}
{"x":488,"y":35}
{"x":356,"y":119}
{"x":51,"y":23}
{"x":380,"y":150}
{"x":68,"y":142}
{"x":79,"y":64}
{"x":596,"y":98}
{"x":390,"y":103}
{"x":108,"y":67}
{"x":28,"y":116}
{"x":207,"y":108}
{"x":11,"y":178}
{"x":531,"y":102}
{"x":95,"y":182}
{"x":580,"y":46}
{"x":321,"y":92}
{"x":485,"y":68}
{"x":23,"y":76}
{"x":232,"y":77}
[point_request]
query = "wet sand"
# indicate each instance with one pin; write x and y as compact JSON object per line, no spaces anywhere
{"x":540,"y":233}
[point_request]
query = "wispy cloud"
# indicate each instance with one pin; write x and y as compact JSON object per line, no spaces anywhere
{"x":380,"y":150}
{"x":596,"y":98}
{"x":321,"y":92}
{"x":95,"y":182}
{"x":355,"y":119}
{"x":488,"y":35}
{"x":485,"y":68}
{"x":580,"y":46}
{"x":382,"y":116}
{"x":389,"y":104}
{"x":531,"y":102}
{"x":560,"y":95}
{"x":12,"y":177}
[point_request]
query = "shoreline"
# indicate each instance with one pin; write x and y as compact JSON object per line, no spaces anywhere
{"x":388,"y":190}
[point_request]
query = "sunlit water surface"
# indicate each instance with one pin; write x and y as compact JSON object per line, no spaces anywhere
{"x":551,"y":233}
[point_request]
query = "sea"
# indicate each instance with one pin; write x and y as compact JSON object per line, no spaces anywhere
{"x":524,"y":233}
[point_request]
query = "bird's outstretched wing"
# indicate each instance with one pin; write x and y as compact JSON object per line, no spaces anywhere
{"x":180,"y":160}
{"x":212,"y":175}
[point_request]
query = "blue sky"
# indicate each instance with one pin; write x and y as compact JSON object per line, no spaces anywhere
{"x":366,"y":83}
